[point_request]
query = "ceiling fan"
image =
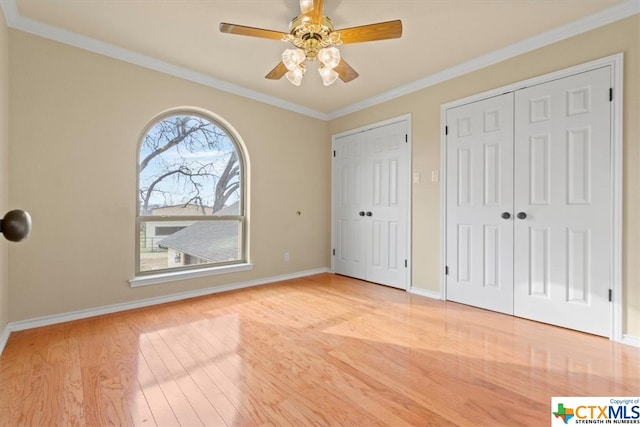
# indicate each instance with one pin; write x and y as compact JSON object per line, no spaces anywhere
{"x":313,"y":34}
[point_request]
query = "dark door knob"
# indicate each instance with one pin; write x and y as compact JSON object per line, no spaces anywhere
{"x":505,"y":215}
{"x":16,"y":225}
{"x":521,"y":215}
{"x":369,"y":214}
{"x":361,"y":213}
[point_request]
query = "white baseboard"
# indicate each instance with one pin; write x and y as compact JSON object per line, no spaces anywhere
{"x":114,"y":308}
{"x":627,"y":339}
{"x":630,"y":340}
{"x":425,"y":293}
{"x":4,"y":338}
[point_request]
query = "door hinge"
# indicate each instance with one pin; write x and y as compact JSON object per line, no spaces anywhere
{"x":334,"y":153}
{"x":610,"y":94}
{"x":610,"y":295}
{"x":446,"y":270}
{"x":406,"y":137}
{"x":333,"y":252}
{"x":405,"y":263}
{"x":446,"y":130}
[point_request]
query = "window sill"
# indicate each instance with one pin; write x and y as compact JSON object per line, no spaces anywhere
{"x":173,"y":276}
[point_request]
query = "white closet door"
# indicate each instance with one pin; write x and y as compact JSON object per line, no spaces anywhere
{"x":388,"y":176}
{"x":562,"y":185}
{"x":479,"y":190}
{"x":371,"y":177}
{"x":350,"y":205}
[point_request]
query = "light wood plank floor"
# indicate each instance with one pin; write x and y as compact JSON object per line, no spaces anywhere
{"x":324,"y":350}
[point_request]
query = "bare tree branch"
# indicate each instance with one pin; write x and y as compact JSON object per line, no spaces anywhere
{"x":231,"y":170}
{"x":170,"y":147}
{"x":183,"y":171}
{"x":182,"y":134}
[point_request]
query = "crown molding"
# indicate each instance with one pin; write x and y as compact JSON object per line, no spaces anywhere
{"x":607,"y":16}
{"x":28,"y":25}
{"x":615,"y":13}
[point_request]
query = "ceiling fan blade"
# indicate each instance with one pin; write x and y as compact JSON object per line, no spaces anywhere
{"x":314,"y":9}
{"x":317,"y":13}
{"x":277,"y":72}
{"x":306,"y":6}
{"x":242,"y":30}
{"x":345,"y":72}
{"x":371,"y":32}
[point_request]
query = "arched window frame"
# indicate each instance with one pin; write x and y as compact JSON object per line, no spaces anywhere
{"x":148,"y":277}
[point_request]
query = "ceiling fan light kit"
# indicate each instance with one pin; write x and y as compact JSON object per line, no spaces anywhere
{"x":328,"y":74}
{"x":293,"y":58}
{"x":295,"y":76}
{"x":314,"y":36}
{"x":329,"y":56}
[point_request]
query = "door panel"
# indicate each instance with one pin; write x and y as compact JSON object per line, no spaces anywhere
{"x":479,"y":190}
{"x":539,"y":178}
{"x":563,"y":246}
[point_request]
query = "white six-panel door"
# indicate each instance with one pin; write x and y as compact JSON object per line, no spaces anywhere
{"x":479,"y":192}
{"x":371,"y":198}
{"x":542,"y":155}
{"x":563,"y":186}
{"x":349,"y":193}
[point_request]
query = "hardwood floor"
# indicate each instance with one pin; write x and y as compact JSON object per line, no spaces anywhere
{"x":323,"y":350}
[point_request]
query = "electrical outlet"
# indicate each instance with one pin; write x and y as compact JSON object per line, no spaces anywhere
{"x":286,"y":256}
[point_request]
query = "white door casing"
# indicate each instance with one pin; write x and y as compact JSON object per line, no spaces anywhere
{"x":479,"y":191}
{"x":371,"y":202}
{"x":563,"y":186}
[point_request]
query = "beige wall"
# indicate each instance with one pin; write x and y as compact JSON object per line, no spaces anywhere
{"x":76,"y":120}
{"x":424,"y":105}
{"x":4,"y":167}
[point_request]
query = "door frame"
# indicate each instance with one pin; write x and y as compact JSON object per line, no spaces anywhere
{"x":397,"y":119}
{"x":616,"y":63}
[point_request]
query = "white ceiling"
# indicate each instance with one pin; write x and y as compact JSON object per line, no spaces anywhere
{"x":441,"y":37}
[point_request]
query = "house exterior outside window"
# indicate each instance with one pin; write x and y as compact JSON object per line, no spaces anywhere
{"x":191,"y":195}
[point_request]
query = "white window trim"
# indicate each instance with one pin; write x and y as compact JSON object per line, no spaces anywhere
{"x":173,"y":276}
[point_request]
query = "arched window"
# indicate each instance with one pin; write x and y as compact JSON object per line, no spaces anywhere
{"x":191,"y":196}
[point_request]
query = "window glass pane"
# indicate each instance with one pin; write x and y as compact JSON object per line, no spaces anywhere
{"x":193,"y":243}
{"x":189,"y":166}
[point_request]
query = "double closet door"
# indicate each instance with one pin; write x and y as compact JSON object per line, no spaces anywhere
{"x":370,"y":204}
{"x":529,"y":203}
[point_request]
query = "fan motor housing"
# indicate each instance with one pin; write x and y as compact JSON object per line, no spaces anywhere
{"x":302,"y":21}
{"x":311,"y":36}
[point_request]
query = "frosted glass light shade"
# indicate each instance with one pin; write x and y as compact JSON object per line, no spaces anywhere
{"x":295,"y":76}
{"x":328,"y":75}
{"x":292,"y":58}
{"x":329,"y":56}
